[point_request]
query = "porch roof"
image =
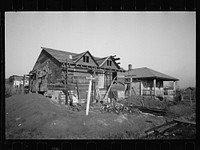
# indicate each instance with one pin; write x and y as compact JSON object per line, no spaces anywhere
{"x":145,"y":72}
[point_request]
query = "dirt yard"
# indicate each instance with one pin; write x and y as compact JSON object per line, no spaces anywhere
{"x":32,"y":116}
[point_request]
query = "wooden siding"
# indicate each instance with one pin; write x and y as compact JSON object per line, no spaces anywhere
{"x":47,"y":70}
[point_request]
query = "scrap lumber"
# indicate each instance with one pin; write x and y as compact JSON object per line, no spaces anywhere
{"x":160,"y":128}
{"x":151,"y":110}
{"x":164,"y":128}
{"x":185,"y":121}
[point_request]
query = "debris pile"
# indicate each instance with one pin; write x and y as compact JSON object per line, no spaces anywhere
{"x":119,"y":108}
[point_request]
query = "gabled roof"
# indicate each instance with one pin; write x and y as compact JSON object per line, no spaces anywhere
{"x":101,"y":61}
{"x":16,"y":77}
{"x":148,"y":73}
{"x":188,"y":88}
{"x":79,"y":56}
{"x":59,"y":55}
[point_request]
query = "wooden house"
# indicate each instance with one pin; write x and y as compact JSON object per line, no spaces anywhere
{"x":147,"y":82}
{"x":188,"y":94}
{"x":58,"y":70}
{"x":18,"y":81}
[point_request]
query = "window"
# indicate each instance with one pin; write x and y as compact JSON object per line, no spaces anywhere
{"x":109,"y":63}
{"x":86,"y":59}
{"x":127,"y":79}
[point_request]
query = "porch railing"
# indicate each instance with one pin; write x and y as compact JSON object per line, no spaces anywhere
{"x":158,"y":92}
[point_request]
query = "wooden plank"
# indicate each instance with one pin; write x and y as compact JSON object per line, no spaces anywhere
{"x":157,"y":127}
{"x":163,"y":128}
{"x":185,"y":121}
{"x":106,"y":95}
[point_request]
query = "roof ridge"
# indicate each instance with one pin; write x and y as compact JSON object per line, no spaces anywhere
{"x":46,"y":48}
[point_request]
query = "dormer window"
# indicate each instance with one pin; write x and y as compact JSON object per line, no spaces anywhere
{"x":109,"y":63}
{"x":86,"y":59}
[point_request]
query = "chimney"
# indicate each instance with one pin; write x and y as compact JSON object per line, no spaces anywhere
{"x":129,"y":67}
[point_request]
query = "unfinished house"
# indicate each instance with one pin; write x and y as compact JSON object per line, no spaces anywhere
{"x":148,"y":82}
{"x":56,"y":70}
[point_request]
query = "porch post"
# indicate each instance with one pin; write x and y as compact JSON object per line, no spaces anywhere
{"x":154,"y":85}
{"x":174,"y":88}
{"x":163,"y":94}
{"x":141,"y":89}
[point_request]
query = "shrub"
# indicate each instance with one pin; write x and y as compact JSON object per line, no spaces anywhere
{"x":10,"y":90}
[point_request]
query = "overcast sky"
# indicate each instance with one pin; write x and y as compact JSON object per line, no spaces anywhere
{"x":163,"y":41}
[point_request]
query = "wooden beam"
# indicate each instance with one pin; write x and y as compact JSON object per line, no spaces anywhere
{"x":65,"y":67}
{"x":106,"y":95}
{"x":116,"y":59}
{"x":185,"y":121}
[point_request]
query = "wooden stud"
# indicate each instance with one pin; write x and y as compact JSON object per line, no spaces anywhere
{"x":116,"y":59}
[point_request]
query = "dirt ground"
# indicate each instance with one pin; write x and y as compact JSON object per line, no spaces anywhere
{"x":32,"y":116}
